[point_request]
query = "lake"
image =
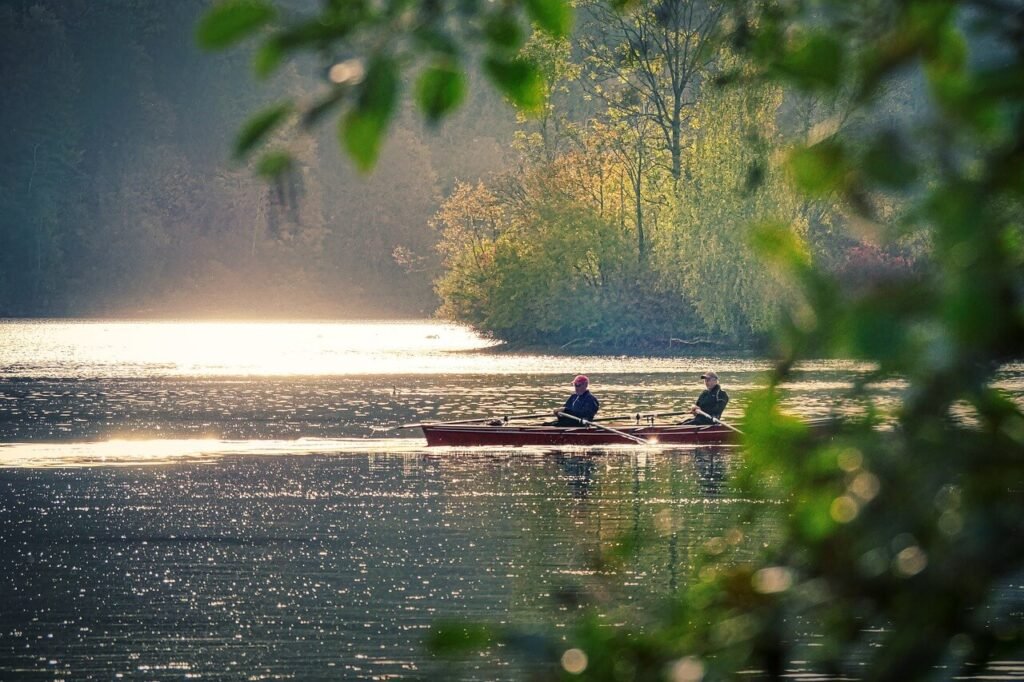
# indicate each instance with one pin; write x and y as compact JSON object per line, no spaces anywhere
{"x":218,"y":500}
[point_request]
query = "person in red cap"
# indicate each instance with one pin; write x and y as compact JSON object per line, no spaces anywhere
{"x":712,"y":401}
{"x":581,"y":403}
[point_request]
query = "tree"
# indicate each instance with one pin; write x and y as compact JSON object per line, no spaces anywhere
{"x":734,"y":183}
{"x":648,"y":63}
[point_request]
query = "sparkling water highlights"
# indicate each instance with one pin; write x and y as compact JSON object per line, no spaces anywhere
{"x":233,"y":501}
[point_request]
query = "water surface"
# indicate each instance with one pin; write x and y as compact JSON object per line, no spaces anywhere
{"x":221,"y":501}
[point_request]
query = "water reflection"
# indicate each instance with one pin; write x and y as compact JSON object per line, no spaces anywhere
{"x":710,"y":465}
{"x":320,"y":567}
{"x":578,"y":471}
{"x":228,"y":556}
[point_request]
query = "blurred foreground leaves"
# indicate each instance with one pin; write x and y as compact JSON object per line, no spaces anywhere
{"x":901,"y":535}
{"x":369,"y":48}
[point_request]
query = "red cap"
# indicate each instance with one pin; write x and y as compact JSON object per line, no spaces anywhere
{"x":580,"y":379}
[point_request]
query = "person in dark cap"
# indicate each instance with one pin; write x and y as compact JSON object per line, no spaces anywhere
{"x":581,"y":403}
{"x":712,"y":400}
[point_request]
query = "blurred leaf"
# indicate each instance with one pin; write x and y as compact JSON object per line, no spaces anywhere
{"x":502,"y":30}
{"x":816,"y":62}
{"x":325,"y":105}
{"x":819,"y":169}
{"x":362,"y":130}
{"x":259,"y":126}
{"x":875,"y":332}
{"x":274,"y":164}
{"x":268,"y":58}
{"x":887,"y":162}
{"x":436,"y":41}
{"x":553,"y":16}
{"x":319,"y":32}
{"x":452,"y":638}
{"x":519,"y":79}
{"x":232,"y":20}
{"x":777,"y":242}
{"x":440,"y":89}
{"x":948,"y":52}
{"x":813,"y":517}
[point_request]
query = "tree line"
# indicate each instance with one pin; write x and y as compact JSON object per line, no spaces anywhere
{"x":617,"y":216}
{"x":628,"y":219}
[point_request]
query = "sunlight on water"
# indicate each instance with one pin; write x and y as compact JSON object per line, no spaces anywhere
{"x":244,"y":500}
{"x":102,"y":348}
{"x":126,"y":452}
{"x":141,"y":452}
{"x":86,"y":349}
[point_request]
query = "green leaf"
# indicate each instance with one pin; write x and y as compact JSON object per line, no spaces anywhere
{"x":886,"y":162}
{"x":324,"y":106}
{"x":819,"y":169}
{"x":259,"y":126}
{"x":440,"y":89}
{"x":519,"y":79}
{"x":274,"y":164}
{"x":232,"y":20}
{"x":502,"y":30}
{"x":553,"y":16}
{"x":436,"y":41}
{"x":816,"y":62}
{"x":362,"y":130}
{"x":268,"y":58}
{"x":778,"y":243}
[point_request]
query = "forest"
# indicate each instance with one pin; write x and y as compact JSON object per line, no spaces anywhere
{"x":616,"y":214}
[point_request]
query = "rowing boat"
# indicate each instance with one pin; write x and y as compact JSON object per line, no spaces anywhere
{"x":472,"y":435}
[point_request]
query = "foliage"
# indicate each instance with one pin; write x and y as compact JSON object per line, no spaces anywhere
{"x":901,"y":534}
{"x":733,"y":182}
{"x":382,"y":42}
{"x":550,"y":255}
{"x":899,"y":542}
{"x":648,"y":64}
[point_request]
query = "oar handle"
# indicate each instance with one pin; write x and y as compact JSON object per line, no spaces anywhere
{"x":716,"y":420}
{"x":641,"y":415}
{"x":587,"y":422}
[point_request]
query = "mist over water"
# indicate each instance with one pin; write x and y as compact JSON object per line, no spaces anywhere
{"x":219,"y":501}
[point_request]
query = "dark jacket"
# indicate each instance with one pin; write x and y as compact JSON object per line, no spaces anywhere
{"x":712,"y":401}
{"x":584,"y":406}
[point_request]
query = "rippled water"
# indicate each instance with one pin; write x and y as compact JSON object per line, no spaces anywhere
{"x":323,"y":567}
{"x":217,"y":501}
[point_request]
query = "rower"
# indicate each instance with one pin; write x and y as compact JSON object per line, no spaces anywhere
{"x":581,"y":403}
{"x":712,"y":401}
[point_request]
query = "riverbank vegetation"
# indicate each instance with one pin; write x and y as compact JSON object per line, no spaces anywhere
{"x":615,"y":219}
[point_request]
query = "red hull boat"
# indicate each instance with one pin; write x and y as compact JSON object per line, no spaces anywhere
{"x":472,"y":435}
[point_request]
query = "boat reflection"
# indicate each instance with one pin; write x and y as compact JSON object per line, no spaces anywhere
{"x":710,"y":466}
{"x":579,"y":472}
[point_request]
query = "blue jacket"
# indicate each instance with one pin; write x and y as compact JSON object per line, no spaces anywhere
{"x":584,"y":406}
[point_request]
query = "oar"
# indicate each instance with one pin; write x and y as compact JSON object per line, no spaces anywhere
{"x":642,"y":415}
{"x":479,"y":420}
{"x":587,"y":422}
{"x":716,"y":420}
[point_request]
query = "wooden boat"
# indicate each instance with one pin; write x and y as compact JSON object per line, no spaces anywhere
{"x":472,"y":435}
